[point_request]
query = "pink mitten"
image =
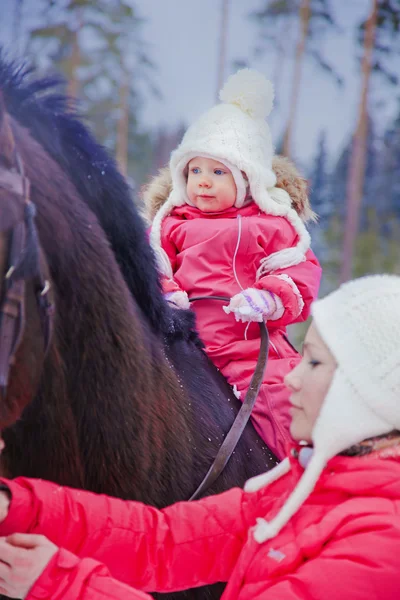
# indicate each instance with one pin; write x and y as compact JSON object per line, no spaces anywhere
{"x":255,"y":305}
{"x":178,"y":299}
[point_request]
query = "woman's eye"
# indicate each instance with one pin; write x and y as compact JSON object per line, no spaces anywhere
{"x":313,"y":363}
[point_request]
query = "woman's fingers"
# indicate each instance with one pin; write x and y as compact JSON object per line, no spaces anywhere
{"x":26,"y":540}
{"x":23,"y":558}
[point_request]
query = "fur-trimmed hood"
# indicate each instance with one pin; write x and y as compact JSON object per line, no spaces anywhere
{"x":156,"y":192}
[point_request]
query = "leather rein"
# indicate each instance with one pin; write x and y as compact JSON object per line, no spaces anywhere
{"x":12,"y":307}
{"x":233,"y":436}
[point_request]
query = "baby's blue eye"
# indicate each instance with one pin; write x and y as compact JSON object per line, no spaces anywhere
{"x":196,"y":170}
{"x":219,"y":172}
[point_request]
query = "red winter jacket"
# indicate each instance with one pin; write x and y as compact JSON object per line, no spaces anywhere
{"x":211,"y":254}
{"x":342,"y":544}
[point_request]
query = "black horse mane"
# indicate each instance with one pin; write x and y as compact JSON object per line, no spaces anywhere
{"x":53,"y":120}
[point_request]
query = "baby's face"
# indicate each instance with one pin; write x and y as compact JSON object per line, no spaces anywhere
{"x":210,"y":185}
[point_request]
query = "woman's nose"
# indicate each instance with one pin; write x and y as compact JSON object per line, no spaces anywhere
{"x":292,"y":380}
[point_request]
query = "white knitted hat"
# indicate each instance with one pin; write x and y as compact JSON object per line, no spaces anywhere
{"x":235,"y":133}
{"x":360,"y":324}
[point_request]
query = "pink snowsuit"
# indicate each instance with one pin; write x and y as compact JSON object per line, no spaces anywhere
{"x":219,"y":254}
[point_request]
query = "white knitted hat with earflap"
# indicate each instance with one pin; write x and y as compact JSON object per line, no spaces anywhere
{"x":235,"y":133}
{"x":360,"y":324}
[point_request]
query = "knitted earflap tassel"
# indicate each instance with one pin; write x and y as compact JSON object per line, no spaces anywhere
{"x":265,"y":530}
{"x":163,"y":262}
{"x":260,"y":481}
{"x":289,"y":256}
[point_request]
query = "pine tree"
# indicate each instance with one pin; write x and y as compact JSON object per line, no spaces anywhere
{"x":165,"y":140}
{"x":99,"y":48}
{"x":389,"y":183}
{"x":333,"y":230}
{"x":319,"y":181}
{"x":379,"y":37}
{"x":320,"y":197}
{"x":315,"y":18}
{"x":358,"y":153}
{"x":17,"y":23}
{"x":223,"y":36}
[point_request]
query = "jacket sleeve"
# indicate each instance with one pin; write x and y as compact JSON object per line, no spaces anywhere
{"x":66,"y":576}
{"x":356,"y":566}
{"x":296,"y":286}
{"x":169,"y":284}
{"x":149,"y":549}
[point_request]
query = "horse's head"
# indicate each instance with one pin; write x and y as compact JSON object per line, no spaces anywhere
{"x":25,"y":307}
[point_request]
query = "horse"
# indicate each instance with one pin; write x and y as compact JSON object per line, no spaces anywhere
{"x":109,"y":389}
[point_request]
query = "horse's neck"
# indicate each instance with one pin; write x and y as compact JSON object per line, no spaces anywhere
{"x":125,"y":397}
{"x":44,"y":442}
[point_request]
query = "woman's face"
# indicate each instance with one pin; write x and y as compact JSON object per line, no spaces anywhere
{"x":309,"y":383}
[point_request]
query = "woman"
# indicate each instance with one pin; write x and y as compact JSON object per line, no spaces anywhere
{"x":325,"y":524}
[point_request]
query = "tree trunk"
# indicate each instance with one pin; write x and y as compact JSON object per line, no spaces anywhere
{"x":356,"y":173}
{"x":281,"y":56}
{"x":73,"y":82}
{"x":223,"y":34}
{"x":17,"y":18}
{"x":121,"y":149}
{"x":304,"y":15}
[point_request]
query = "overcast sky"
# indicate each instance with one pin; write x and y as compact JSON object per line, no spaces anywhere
{"x":184,"y":37}
{"x":183,"y":42}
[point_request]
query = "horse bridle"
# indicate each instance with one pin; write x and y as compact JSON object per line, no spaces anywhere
{"x":12,"y":308}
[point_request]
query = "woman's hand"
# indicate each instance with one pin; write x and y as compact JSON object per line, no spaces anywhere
{"x":5,"y":499}
{"x":23,"y":558}
{"x":5,"y":495}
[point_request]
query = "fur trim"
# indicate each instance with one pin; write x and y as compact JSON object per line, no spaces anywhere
{"x":156,"y":192}
{"x":288,"y":177}
{"x":296,"y":291}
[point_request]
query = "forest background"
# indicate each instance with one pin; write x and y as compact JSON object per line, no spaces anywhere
{"x":142,"y":70}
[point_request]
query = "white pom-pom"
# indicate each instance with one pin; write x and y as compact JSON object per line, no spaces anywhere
{"x":250,"y":91}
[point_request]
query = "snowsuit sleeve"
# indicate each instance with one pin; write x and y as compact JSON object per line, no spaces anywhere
{"x":168,"y":284}
{"x":362,"y":561}
{"x":146,"y":548}
{"x":296,"y":286}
